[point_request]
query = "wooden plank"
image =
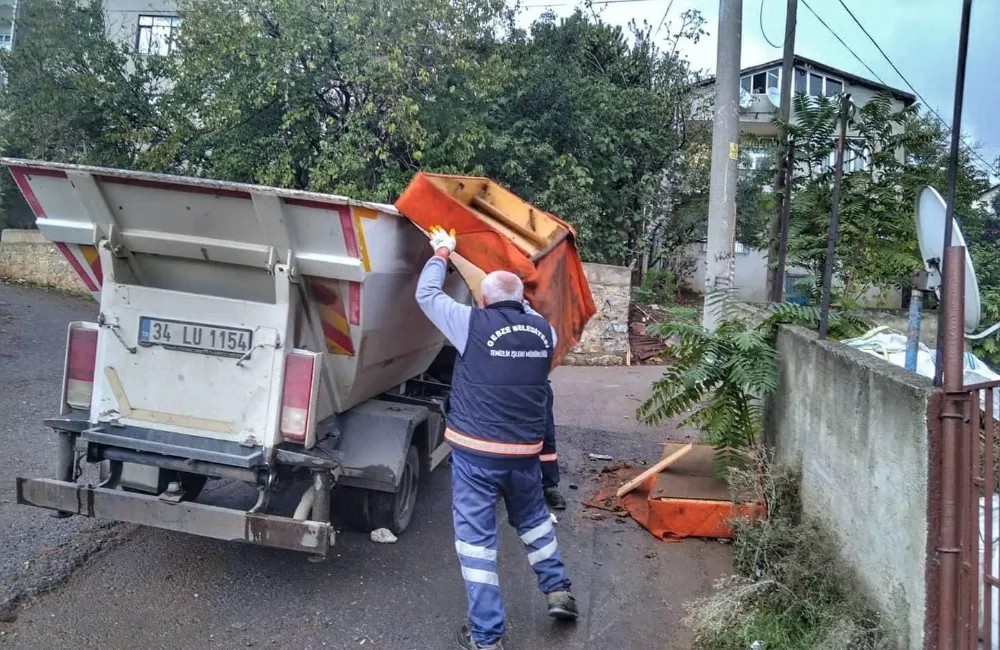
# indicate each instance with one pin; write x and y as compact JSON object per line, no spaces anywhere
{"x":655,"y":469}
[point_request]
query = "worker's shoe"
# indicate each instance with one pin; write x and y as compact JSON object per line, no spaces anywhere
{"x":554,"y":498}
{"x":466,"y":642}
{"x":562,"y":606}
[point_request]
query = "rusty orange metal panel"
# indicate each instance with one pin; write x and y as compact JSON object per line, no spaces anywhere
{"x":499,"y":231}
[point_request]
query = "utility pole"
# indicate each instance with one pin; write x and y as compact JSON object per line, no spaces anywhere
{"x":725,"y":154}
{"x":776,"y":273}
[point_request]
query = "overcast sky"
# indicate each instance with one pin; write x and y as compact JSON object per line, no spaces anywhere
{"x":920,"y":36}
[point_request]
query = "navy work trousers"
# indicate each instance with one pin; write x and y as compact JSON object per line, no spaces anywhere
{"x":549,"y":458}
{"x":475,"y":491}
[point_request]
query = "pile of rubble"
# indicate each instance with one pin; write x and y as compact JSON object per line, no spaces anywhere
{"x":646,"y":348}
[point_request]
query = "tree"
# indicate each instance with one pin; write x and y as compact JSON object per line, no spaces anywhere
{"x":579,"y":117}
{"x":74,"y":95}
{"x":330,"y":95}
{"x":592,"y":128}
{"x":876,"y":243}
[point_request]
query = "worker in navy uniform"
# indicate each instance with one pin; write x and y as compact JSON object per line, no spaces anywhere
{"x":499,"y":410}
{"x":550,"y":460}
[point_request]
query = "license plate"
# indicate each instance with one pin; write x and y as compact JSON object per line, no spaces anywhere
{"x":194,"y":337}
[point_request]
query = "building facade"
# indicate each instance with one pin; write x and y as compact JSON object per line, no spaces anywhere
{"x":759,"y":100}
{"x":8,"y":23}
{"x":146,"y":24}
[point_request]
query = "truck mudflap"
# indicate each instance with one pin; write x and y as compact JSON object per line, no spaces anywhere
{"x":312,"y":537}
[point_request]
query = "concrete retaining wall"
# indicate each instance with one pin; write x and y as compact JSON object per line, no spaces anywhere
{"x":857,"y":428}
{"x":25,"y":256}
{"x":605,"y":339}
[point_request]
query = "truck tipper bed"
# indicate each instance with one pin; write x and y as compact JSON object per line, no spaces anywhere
{"x":268,"y":336}
{"x":243,"y":332}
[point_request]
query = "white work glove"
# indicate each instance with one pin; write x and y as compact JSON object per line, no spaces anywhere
{"x":442,"y":239}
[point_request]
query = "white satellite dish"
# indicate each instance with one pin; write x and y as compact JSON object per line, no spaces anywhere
{"x":746,"y":99}
{"x":931,"y":211}
{"x":774,"y":95}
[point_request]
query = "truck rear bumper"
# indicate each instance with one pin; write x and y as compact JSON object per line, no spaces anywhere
{"x":311,"y":537}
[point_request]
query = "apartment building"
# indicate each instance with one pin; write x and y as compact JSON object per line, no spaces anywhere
{"x":759,"y":100}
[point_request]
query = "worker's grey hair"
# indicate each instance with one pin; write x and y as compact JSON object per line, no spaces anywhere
{"x":502,"y":286}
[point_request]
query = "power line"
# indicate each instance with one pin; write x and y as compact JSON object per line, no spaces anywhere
{"x":911,"y":87}
{"x":666,"y":13}
{"x":846,"y":46}
{"x":764,"y":33}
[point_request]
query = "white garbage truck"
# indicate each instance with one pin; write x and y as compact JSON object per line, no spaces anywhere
{"x":264,"y":335}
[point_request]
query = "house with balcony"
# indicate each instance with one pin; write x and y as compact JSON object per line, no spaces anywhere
{"x":760,"y":90}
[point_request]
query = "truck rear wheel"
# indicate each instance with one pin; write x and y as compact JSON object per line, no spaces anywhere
{"x":368,"y":510}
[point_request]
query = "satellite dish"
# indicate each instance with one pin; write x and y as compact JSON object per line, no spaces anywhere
{"x":774,"y":95}
{"x":746,"y":99}
{"x":931,"y":211}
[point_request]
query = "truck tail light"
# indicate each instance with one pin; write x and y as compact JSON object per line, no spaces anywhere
{"x":81,"y":356}
{"x":298,"y":395}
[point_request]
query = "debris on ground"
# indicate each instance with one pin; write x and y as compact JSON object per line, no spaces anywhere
{"x":383,"y":536}
{"x":686,"y":500}
{"x":645,"y":347}
{"x":600,"y":457}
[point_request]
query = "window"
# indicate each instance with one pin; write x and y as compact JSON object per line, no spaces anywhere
{"x":772,"y":78}
{"x":757,"y":160}
{"x":854,"y":161}
{"x":740,"y":248}
{"x":157,"y":34}
{"x":800,"y":80}
{"x":759,"y":82}
{"x":804,"y":81}
{"x":815,"y":85}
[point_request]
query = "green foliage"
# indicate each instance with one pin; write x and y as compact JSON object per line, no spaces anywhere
{"x":684,"y":314}
{"x":790,"y":591}
{"x":980,"y":224}
{"x":725,"y":375}
{"x":75,"y":95}
{"x":876,"y":246}
{"x":331,"y":96}
{"x":578,"y":116}
{"x":659,"y":288}
{"x":876,"y":242}
{"x":590,"y":127}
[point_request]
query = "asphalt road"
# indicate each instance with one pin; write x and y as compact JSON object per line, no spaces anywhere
{"x":38,"y":552}
{"x":120,"y":587}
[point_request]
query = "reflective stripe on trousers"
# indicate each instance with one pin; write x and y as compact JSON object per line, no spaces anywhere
{"x":474,"y":493}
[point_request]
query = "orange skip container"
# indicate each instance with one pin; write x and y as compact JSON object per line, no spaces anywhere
{"x":497,"y":230}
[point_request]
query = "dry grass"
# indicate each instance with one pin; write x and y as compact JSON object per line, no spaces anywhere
{"x":790,"y":591}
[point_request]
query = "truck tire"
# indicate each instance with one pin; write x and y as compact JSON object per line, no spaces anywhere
{"x":368,"y":510}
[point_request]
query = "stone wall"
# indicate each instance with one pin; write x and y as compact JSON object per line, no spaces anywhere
{"x":857,"y":428}
{"x":605,"y":339}
{"x":25,"y":256}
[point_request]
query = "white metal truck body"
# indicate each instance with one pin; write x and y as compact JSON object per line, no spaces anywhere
{"x":245,"y":332}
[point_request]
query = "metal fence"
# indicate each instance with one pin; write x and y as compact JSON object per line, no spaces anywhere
{"x":979,"y":520}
